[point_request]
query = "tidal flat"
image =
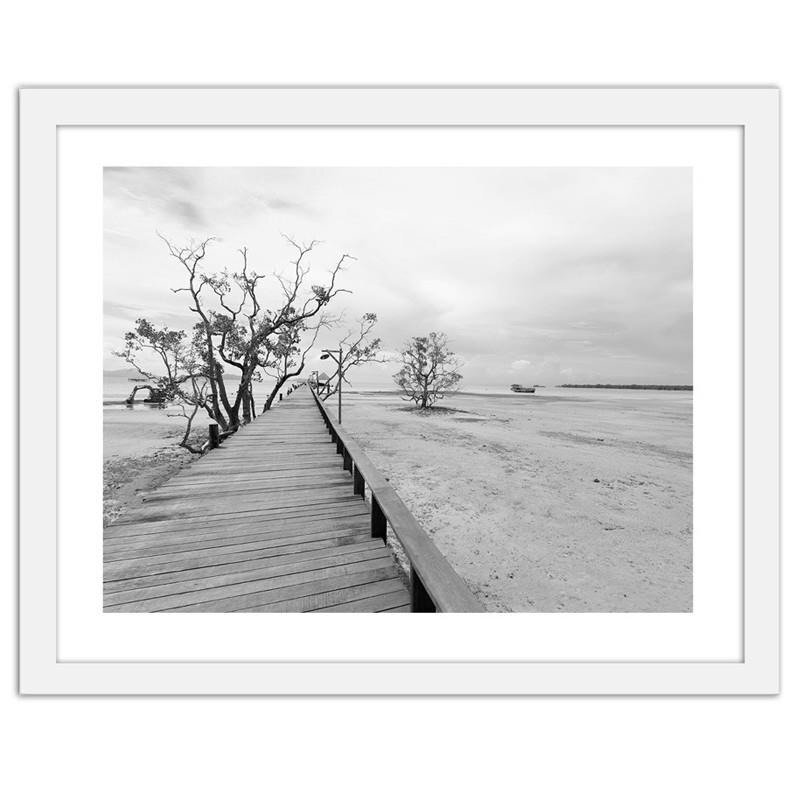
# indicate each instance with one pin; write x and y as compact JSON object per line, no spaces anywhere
{"x":568,"y":500}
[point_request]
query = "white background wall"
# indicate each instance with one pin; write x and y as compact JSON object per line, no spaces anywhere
{"x":233,"y":748}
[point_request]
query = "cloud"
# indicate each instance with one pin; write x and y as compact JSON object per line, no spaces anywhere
{"x":285,"y":204}
{"x":120,"y":310}
{"x":187,"y":212}
{"x":539,"y":272}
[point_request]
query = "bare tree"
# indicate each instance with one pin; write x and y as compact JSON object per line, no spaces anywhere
{"x":429,"y":369}
{"x":240,"y":333}
{"x":234,"y":331}
{"x":288,"y":358}
{"x":357,"y":348}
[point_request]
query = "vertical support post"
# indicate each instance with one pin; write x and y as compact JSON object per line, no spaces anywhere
{"x":358,"y":481}
{"x":348,"y":461}
{"x":420,"y":599}
{"x":339,"y":445}
{"x":378,"y":521}
{"x":280,"y":396}
{"x":213,"y":436}
{"x":340,"y":386}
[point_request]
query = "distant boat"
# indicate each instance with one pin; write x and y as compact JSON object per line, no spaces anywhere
{"x":515,"y":387}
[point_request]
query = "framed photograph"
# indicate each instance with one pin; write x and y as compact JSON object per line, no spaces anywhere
{"x":399,"y":391}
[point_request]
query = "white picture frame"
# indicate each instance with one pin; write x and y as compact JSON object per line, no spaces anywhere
{"x":753,"y":110}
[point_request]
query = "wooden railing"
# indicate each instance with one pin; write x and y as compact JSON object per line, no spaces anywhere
{"x":435,"y":585}
{"x":215,"y":438}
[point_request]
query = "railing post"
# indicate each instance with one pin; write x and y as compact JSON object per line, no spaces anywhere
{"x":358,"y":481}
{"x":420,"y":599}
{"x":378,"y":521}
{"x":213,"y":436}
{"x":348,"y":461}
{"x":339,"y":445}
{"x":280,"y":396}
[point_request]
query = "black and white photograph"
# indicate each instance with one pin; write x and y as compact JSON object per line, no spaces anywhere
{"x":474,"y":312}
{"x":397,"y":389}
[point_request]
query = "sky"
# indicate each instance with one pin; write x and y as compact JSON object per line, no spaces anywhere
{"x":536,"y":275}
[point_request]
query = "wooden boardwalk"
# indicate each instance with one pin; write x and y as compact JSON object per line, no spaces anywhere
{"x":268,"y":522}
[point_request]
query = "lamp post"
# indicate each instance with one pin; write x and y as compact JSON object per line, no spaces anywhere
{"x":331,"y":354}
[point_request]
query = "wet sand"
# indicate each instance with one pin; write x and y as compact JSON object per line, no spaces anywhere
{"x":559,"y":501}
{"x":138,"y":431}
{"x":139,"y":454}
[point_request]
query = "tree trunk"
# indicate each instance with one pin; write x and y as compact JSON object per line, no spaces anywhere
{"x":247,"y":403}
{"x":212,"y":368}
{"x":279,"y":384}
{"x":223,"y":396}
{"x":184,"y":443}
{"x":132,"y":396}
{"x":274,"y":393}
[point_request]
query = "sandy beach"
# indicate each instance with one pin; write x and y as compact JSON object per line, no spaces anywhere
{"x":567,"y":500}
{"x":139,"y":454}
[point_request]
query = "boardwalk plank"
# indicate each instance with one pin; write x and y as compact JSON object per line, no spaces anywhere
{"x":242,"y":595}
{"x":326,"y":510}
{"x":267,"y":522}
{"x":233,"y":549}
{"x":245,"y":487}
{"x":227,"y":544}
{"x":256,"y":600}
{"x":294,"y":555}
{"x":321,"y":600}
{"x":230,"y":533}
{"x":133,"y":568}
{"x":247,"y":578}
{"x":377,"y":602}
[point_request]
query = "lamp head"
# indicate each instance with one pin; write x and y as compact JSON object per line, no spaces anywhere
{"x":324,"y":356}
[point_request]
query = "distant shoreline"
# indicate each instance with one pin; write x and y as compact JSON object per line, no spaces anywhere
{"x":650,"y":386}
{"x":117,"y":397}
{"x":498,"y":392}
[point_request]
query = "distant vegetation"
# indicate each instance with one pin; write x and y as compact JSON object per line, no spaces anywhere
{"x":659,"y":386}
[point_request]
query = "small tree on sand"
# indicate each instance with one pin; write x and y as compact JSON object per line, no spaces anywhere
{"x":429,"y":369}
